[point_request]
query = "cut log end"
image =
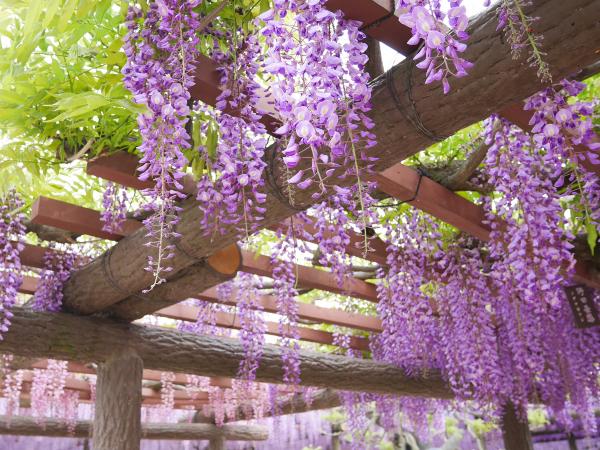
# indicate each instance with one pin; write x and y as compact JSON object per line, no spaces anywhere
{"x":226,"y":261}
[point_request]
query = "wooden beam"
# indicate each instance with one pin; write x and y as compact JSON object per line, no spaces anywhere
{"x":405,"y":183}
{"x":311,"y":278}
{"x":87,"y":221}
{"x":570,"y":33}
{"x":150,"y":375}
{"x":117,"y":415}
{"x":378,"y":21}
{"x":306,"y":311}
{"x":77,"y":338}
{"x":232,"y":321}
{"x":29,"y":426}
{"x":322,"y":399}
{"x":450,"y":207}
{"x":228,"y":320}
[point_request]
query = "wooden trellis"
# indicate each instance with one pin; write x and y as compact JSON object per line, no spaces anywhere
{"x":570,"y":30}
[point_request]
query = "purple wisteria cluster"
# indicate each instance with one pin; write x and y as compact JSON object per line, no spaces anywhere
{"x":409,"y":327}
{"x":232,"y":192}
{"x":442,"y":34}
{"x":47,"y":390}
{"x":58,"y":266}
{"x":562,"y":125}
{"x":252,"y":332}
{"x":12,"y":234}
{"x":114,"y":208}
{"x":321,"y":94}
{"x":284,"y":289}
{"x":161,"y":48}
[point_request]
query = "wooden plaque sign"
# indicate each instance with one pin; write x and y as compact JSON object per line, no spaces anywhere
{"x":582,"y":303}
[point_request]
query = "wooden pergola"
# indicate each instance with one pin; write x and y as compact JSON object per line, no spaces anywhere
{"x":103,"y":297}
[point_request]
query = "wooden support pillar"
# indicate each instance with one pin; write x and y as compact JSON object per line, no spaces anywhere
{"x":336,"y":432}
{"x":217,"y":443}
{"x":117,"y":420}
{"x":572,"y":440}
{"x":515,"y":433}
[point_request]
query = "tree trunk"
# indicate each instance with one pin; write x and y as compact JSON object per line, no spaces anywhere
{"x":28,"y":426}
{"x":117,"y":419}
{"x":570,"y":31}
{"x":515,"y":433}
{"x":84,"y":339}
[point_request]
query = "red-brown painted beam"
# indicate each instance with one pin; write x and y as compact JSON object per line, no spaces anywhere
{"x":456,"y":210}
{"x":402,"y":182}
{"x":56,"y":213}
{"x":87,"y":221}
{"x":228,"y":320}
{"x":378,"y":20}
{"x":311,"y":278}
{"x":306,"y":311}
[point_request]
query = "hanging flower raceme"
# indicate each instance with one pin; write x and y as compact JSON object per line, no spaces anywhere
{"x":12,"y":234}
{"x":563,"y":127}
{"x":464,"y":298}
{"x":47,"y":389}
{"x":442,"y":34}
{"x":232,"y":192}
{"x":167,"y":393}
{"x":161,"y":47}
{"x":58,"y":266}
{"x":114,"y":204}
{"x":321,"y":93}
{"x":519,"y":31}
{"x":252,"y":333}
{"x":409,"y":332}
{"x":530,"y":254}
{"x":284,"y":289}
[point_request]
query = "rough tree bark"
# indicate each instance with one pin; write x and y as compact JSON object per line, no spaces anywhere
{"x":570,"y":31}
{"x":117,"y":417}
{"x":217,"y":444}
{"x":515,"y":433}
{"x":28,"y":426}
{"x":86,"y":339}
{"x":324,"y":399}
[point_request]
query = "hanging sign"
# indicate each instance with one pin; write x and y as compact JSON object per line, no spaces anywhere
{"x":583,"y":305}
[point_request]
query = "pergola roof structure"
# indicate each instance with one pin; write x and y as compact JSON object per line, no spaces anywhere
{"x":112,"y":285}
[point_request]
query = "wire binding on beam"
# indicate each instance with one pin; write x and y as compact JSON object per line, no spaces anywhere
{"x":410,"y":110}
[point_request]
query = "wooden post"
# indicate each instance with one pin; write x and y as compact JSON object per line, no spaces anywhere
{"x":572,"y":440}
{"x":336,"y":431}
{"x":515,"y":433}
{"x":217,"y":444}
{"x":117,"y":420}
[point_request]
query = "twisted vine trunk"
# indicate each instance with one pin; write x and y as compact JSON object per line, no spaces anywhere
{"x":571,"y":32}
{"x":86,"y":339}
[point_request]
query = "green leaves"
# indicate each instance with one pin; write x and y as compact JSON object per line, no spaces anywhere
{"x":76,"y":105}
{"x":592,"y":235}
{"x":30,"y":29}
